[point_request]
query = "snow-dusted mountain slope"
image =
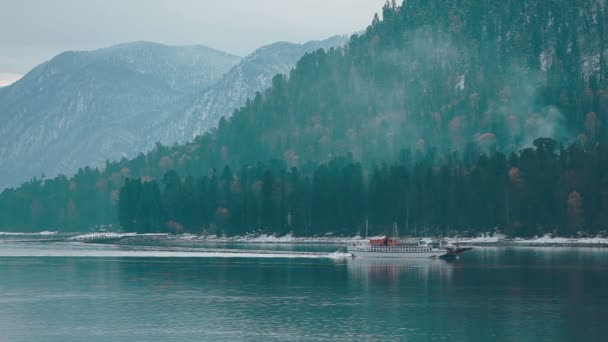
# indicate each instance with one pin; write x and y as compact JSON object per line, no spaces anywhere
{"x":81,"y":108}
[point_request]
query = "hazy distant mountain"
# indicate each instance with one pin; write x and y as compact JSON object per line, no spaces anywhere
{"x":82,"y":108}
{"x":254,"y":73}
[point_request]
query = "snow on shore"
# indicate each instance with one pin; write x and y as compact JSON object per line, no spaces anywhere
{"x":487,"y":239}
{"x":480,"y":240}
{"x":268,"y":239}
{"x":483,"y":238}
{"x":547,"y":239}
{"x":110,"y":236}
{"x":100,"y":236}
{"x":44,"y":233}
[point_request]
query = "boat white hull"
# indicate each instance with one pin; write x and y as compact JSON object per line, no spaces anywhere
{"x":389,"y":248}
{"x":398,"y":255}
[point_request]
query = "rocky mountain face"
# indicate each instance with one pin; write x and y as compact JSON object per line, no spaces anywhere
{"x":83,"y":108}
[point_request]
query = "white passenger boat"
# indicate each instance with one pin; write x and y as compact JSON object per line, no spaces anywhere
{"x":391,"y":248}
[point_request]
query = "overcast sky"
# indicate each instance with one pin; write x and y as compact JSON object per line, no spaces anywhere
{"x":33,"y":31}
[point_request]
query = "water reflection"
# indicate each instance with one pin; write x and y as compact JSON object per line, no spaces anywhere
{"x":396,"y":269}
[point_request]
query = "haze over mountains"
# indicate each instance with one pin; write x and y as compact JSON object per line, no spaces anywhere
{"x":83,"y":108}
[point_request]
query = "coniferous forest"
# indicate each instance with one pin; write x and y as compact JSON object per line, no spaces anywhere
{"x":541,"y":188}
{"x":442,"y":116}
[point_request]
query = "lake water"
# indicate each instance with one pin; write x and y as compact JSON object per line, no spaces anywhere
{"x":82,"y":292}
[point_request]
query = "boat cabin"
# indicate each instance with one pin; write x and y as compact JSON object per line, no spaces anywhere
{"x":385,"y":241}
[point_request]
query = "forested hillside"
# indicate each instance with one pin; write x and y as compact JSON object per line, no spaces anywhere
{"x":442,"y":74}
{"x":458,"y":83}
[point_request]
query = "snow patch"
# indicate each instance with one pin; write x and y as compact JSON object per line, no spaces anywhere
{"x":269,"y":239}
{"x":548,"y":239}
{"x":460,"y":82}
{"x":482,"y":238}
{"x":109,"y":236}
{"x":43,"y":233}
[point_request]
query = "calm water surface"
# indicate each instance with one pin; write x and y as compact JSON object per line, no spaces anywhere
{"x":78,"y":292}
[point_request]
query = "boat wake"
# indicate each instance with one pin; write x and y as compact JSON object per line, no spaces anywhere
{"x":80,"y":250}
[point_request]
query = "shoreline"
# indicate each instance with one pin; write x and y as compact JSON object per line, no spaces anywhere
{"x":482,"y":240}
